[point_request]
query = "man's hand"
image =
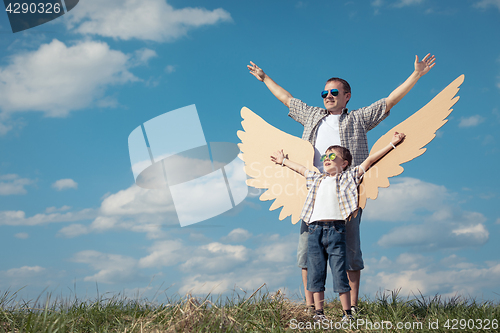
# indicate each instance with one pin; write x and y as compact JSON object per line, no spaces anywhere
{"x":422,"y":67}
{"x":278,"y":157}
{"x":256,"y":71}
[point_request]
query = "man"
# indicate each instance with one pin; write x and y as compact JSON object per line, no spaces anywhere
{"x":333,"y":125}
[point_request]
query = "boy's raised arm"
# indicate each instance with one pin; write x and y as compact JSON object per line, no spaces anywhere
{"x":280,"y":93}
{"x":279,"y":157}
{"x":370,"y":160}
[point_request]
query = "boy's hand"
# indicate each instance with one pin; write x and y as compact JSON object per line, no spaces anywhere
{"x":278,"y":157}
{"x":397,"y":138}
{"x":256,"y":71}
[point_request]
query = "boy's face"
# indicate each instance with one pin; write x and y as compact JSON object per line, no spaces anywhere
{"x":335,"y":166}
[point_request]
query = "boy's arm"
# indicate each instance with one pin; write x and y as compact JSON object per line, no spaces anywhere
{"x":280,"y":93}
{"x":370,"y":160}
{"x":421,"y":68}
{"x":280,"y":158}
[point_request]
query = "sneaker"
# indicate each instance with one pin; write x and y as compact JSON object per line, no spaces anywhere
{"x":354,"y":310}
{"x":347,"y":318}
{"x":318,"y":318}
{"x":309,"y":310}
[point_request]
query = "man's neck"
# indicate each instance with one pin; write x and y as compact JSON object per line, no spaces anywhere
{"x":336,"y":112}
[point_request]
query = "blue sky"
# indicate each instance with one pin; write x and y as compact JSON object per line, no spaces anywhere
{"x":71,"y":92}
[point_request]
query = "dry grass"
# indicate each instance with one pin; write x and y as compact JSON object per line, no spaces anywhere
{"x":260,"y":312}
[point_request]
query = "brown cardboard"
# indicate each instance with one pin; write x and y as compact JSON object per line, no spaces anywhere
{"x":288,"y":188}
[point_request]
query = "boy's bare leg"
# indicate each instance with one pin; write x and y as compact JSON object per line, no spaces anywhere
{"x":309,"y":295}
{"x":319,"y":299}
{"x":354,"y":277}
{"x":345,"y":300}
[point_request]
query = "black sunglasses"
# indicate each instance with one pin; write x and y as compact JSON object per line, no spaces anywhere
{"x":334,"y":92}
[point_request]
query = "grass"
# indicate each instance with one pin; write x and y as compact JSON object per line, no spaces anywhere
{"x":260,"y":312}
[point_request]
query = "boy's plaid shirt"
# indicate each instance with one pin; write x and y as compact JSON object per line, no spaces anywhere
{"x":347,"y":192}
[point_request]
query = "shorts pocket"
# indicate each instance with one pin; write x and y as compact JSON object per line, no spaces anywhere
{"x":312,"y":228}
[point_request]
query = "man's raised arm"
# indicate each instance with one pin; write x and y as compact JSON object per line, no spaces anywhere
{"x":421,"y":68}
{"x":280,"y":93}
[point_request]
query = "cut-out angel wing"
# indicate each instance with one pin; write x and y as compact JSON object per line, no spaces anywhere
{"x":259,"y":140}
{"x":420,"y":129}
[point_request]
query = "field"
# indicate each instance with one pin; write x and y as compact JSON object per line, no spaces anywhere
{"x":261,"y":311}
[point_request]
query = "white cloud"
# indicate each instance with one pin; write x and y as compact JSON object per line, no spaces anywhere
{"x":112,"y":268}
{"x":449,"y":277}
{"x":152,"y":20}
{"x":406,"y":3}
{"x":135,"y":209}
{"x":485,"y":4}
{"x":169,"y":69}
{"x":165,"y":253}
{"x":17,"y":218}
{"x":427,"y":215}
{"x":471,"y":121}
{"x":73,"y":230}
{"x":12,"y":184}
{"x":456,"y":230}
{"x":64,"y":184}
{"x":57,"y":79}
{"x":21,"y":235}
{"x":404,"y":198}
{"x":144,"y":55}
{"x":215,"y":257}
{"x":136,"y":200}
{"x":24,"y":272}
{"x":238,"y":235}
{"x":55,"y":209}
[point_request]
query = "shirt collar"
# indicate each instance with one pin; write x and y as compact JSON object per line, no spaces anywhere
{"x":344,"y":110}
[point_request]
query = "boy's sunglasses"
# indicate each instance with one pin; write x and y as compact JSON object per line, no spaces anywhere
{"x":330,"y":156}
{"x":334,"y":92}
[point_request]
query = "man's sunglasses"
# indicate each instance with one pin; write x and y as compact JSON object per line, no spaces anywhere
{"x":334,"y":92}
{"x":329,"y":156}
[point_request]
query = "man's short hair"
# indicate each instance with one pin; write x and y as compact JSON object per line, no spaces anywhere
{"x":345,"y":84}
{"x":344,"y":153}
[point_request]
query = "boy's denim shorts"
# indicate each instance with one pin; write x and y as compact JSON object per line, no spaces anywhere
{"x":326,"y":244}
{"x":353,"y":245}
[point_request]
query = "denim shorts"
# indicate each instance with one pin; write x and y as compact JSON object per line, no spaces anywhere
{"x":302,"y":248}
{"x":326,"y":244}
{"x":353,"y":245}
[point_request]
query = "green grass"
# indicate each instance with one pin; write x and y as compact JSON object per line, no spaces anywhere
{"x":260,"y":312}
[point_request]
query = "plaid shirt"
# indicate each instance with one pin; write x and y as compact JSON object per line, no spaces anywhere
{"x":347,"y":192}
{"x":353,"y":126}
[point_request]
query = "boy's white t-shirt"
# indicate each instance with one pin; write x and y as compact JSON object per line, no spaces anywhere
{"x":326,"y":204}
{"x":328,"y":135}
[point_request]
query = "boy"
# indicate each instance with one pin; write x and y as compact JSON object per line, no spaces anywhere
{"x":332,"y":198}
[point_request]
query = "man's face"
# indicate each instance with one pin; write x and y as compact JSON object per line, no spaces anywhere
{"x":335,"y":104}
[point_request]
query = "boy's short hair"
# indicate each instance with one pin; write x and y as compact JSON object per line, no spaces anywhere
{"x":344,"y":153}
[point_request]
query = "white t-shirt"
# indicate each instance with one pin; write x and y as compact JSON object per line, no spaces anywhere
{"x":328,"y":135}
{"x":326,"y":205}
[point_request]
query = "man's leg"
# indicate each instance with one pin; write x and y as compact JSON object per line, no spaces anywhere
{"x":307,"y":293}
{"x":354,"y":277}
{"x":354,"y":256}
{"x":302,"y":260}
